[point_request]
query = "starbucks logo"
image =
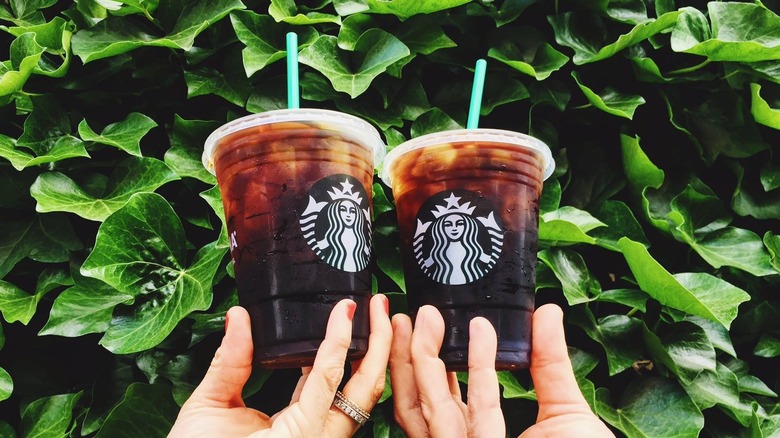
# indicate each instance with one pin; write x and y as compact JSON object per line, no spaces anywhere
{"x":457,"y":238}
{"x":336,"y":224}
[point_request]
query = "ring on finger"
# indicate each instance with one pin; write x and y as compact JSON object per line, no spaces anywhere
{"x":349,"y":407}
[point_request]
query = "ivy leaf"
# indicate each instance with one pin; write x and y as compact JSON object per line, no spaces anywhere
{"x":141,"y":251}
{"x":762,"y":112}
{"x":25,"y":55}
{"x":550,"y":92}
{"x":184,"y":156}
{"x":158,"y":416}
{"x":54,"y":191}
{"x":507,"y":12}
{"x":639,"y":169}
{"x":83,"y":309}
{"x":6,"y":386}
{"x":264,"y":40}
{"x":767,"y":346}
{"x":511,"y":388}
{"x":46,"y":124}
{"x":45,"y":238}
{"x":404,"y":9}
{"x":380,"y":203}
{"x":578,"y":284}
{"x":611,"y":101}
{"x":18,"y":305}
{"x":116,"y":35}
{"x":433,"y":120}
{"x":567,"y":225}
{"x":49,"y":417}
{"x":62,"y":149}
{"x":620,"y":222}
{"x":375,"y":51}
{"x":750,"y":200}
{"x":697,"y":294}
{"x":617,"y":334}
{"x":770,"y":177}
{"x":740,"y":32}
{"x":719,"y":246}
{"x":571,"y":30}
{"x":213,"y":197}
{"x":721,"y":126}
{"x":772,"y":243}
{"x":125,"y":135}
{"x":720,"y":387}
{"x":717,"y":334}
{"x":683,"y":347}
{"x":423,"y":34}
{"x":286,"y":11}
{"x":633,"y":298}
{"x":230,"y":83}
{"x":526,"y":51}
{"x":651,"y":407}
{"x":748,"y":383}
{"x":54,"y":37}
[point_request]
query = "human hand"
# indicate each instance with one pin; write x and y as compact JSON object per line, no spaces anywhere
{"x":427,"y":399}
{"x":216,"y":407}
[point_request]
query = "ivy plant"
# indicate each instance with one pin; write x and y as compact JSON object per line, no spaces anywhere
{"x":659,"y":230}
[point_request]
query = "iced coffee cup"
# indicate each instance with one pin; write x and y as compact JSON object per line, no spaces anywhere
{"x":296,"y":187}
{"x":468,"y":205}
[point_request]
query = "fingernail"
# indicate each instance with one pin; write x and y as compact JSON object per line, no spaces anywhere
{"x":351,"y":306}
{"x":227,"y":319}
{"x":387,"y":304}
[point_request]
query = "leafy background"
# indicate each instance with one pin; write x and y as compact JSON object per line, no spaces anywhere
{"x":659,"y":229}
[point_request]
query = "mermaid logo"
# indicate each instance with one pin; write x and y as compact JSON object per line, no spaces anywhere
{"x":336,"y":223}
{"x":457,"y":242}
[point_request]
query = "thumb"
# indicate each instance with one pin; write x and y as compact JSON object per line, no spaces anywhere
{"x":231,"y":367}
{"x":551,"y":369}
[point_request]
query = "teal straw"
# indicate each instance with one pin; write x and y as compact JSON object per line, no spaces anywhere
{"x":476,"y":94}
{"x":293,"y":89}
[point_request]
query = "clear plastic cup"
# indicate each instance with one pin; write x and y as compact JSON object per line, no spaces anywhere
{"x":468,"y":211}
{"x":296,"y":187}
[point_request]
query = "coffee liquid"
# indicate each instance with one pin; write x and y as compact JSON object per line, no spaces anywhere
{"x":297,"y":203}
{"x":468,"y":217}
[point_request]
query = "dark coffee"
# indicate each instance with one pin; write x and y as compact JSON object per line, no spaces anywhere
{"x":468,"y":216}
{"x":297,"y":198}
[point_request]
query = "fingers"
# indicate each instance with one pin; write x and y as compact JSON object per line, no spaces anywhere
{"x":551,"y":370}
{"x":406,"y":404}
{"x":328,"y":369}
{"x":368,"y":382}
{"x":441,"y":411}
{"x":231,"y":367}
{"x":296,"y":395}
{"x":484,"y":406}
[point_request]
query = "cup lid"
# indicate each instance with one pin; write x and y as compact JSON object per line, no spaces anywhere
{"x":343,"y":122}
{"x":469,"y":135}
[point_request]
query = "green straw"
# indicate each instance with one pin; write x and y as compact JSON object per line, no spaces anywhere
{"x":293,"y":91}
{"x":476,"y":94}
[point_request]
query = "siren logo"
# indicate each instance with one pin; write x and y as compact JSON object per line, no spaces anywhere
{"x":458,"y":237}
{"x":336,"y":224}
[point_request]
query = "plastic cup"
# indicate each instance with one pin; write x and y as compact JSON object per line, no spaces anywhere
{"x":468,"y":212}
{"x":296,"y":188}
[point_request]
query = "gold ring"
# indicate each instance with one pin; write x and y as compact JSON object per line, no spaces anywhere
{"x":348,"y":407}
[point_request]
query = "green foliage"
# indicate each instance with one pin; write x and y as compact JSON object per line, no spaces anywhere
{"x":658,"y":230}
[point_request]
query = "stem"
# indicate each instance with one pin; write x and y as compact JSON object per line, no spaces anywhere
{"x":689,"y":69}
{"x":632,"y":311}
{"x":587,"y":105}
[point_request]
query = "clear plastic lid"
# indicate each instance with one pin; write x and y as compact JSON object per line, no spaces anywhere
{"x":481,"y":135}
{"x":353,"y":127}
